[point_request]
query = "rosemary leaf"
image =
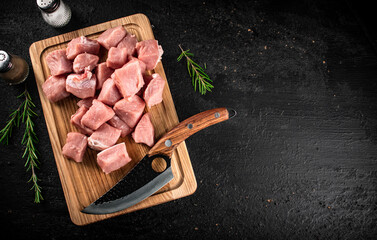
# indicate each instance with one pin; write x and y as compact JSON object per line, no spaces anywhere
{"x":200,"y":80}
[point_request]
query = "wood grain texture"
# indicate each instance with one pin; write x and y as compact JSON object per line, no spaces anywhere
{"x":83,"y":183}
{"x":187,"y":128}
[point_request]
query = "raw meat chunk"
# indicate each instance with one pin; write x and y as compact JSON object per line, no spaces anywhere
{"x":144,"y":131}
{"x":147,"y":80}
{"x":85,"y":61}
{"x":142,"y":64}
{"x":81,"y":45}
{"x":58,"y":63}
{"x":130,"y":110}
{"x":129,"y":79}
{"x":149,"y":52}
{"x":116,"y":57}
{"x":109,"y":93}
{"x":54,"y":88}
{"x":87,"y":102}
{"x":81,"y":85}
{"x":97,"y":115}
{"x":111,"y":37}
{"x":153,"y":92}
{"x":102,"y":74}
{"x":104,"y":137}
{"x":119,"y":124}
{"x":113,"y":158}
{"x":76,"y":120}
{"x":128,"y":42}
{"x":75,"y":146}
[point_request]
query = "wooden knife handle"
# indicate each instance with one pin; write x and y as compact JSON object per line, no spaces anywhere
{"x":185,"y":129}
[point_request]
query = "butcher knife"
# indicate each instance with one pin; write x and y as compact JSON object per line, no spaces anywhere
{"x":142,"y":181}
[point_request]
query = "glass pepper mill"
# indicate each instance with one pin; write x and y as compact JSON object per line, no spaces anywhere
{"x":13,"y":69}
{"x":55,"y":12}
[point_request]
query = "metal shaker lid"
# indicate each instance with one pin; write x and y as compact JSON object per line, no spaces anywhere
{"x":5,"y":63}
{"x":47,"y":5}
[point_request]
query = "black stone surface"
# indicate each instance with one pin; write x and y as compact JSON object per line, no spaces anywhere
{"x":299,"y":161}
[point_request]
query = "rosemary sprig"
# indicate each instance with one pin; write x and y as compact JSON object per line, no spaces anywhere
{"x":14,"y":121}
{"x":24,"y":113}
{"x":200,"y":80}
{"x":29,"y":140}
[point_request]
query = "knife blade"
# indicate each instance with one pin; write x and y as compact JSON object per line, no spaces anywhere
{"x":142,"y":181}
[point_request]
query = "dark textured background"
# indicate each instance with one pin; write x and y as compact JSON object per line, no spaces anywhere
{"x":300,"y":159}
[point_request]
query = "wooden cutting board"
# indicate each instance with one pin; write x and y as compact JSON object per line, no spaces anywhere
{"x":84,"y":182}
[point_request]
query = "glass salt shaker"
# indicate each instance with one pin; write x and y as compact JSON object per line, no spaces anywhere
{"x":13,"y":69}
{"x":55,"y":12}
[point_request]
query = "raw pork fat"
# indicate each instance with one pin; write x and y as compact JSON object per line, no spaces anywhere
{"x":111,"y":37}
{"x":75,"y":146}
{"x":104,"y":137}
{"x":97,"y":115}
{"x":130,"y":110}
{"x":81,"y":85}
{"x":85,"y":61}
{"x":144,"y":131}
{"x":58,"y":63}
{"x":113,"y":158}
{"x":54,"y":88}
{"x":81,"y":45}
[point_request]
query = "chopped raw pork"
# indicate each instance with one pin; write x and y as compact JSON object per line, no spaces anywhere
{"x":129,"y":79}
{"x":116,"y":57}
{"x":75,"y":146}
{"x":130,"y":110}
{"x":113,"y":158}
{"x":87,"y":102}
{"x":58,"y":63}
{"x":81,"y":45}
{"x":81,"y":85}
{"x":76,"y":120}
{"x":97,"y":115}
{"x":102,"y":74}
{"x":149,"y":52}
{"x":119,"y":124}
{"x":109,"y":93}
{"x":104,"y":137}
{"x":147,"y":80}
{"x":111,"y":37}
{"x":128,"y":42}
{"x":54,"y":88}
{"x":144,"y":131}
{"x":85,"y":61}
{"x":142,"y":64}
{"x":153,"y":92}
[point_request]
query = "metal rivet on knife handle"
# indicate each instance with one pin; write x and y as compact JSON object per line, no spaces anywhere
{"x":217,"y":115}
{"x":189,"y":126}
{"x":168,"y":143}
